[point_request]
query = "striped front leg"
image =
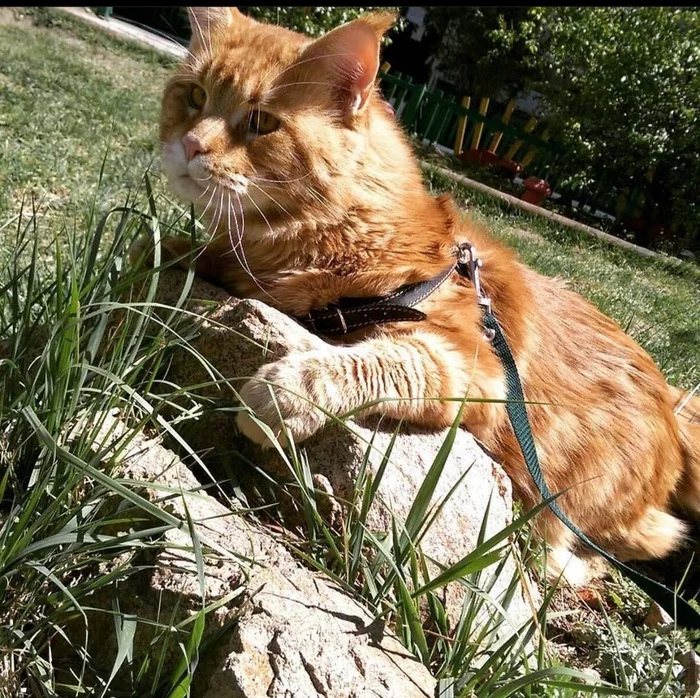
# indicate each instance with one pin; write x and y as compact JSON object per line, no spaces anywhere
{"x":406,"y":372}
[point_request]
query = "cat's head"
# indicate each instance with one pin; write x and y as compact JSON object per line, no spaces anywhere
{"x":262,"y":119}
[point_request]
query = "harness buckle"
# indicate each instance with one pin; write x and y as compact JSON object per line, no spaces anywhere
{"x":468,"y":264}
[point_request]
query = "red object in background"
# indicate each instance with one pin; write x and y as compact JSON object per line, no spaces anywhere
{"x":536,"y":191}
{"x":486,"y":157}
{"x":480,"y":157}
{"x":512,"y":168}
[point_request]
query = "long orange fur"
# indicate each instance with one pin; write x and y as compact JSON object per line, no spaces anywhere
{"x":332,"y":204}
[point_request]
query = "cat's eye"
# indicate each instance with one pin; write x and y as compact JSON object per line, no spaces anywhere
{"x":261,"y":122}
{"x":197,"y":97}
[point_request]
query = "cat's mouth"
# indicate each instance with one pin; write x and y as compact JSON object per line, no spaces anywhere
{"x":196,"y":188}
{"x":200,"y":181}
{"x":186,"y":187}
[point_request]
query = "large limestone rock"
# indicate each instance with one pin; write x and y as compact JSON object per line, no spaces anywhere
{"x":242,"y":335}
{"x":302,"y":637}
{"x":286,"y":631}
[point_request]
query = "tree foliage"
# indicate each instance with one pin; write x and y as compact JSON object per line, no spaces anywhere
{"x":624,"y":85}
{"x":487,"y":49}
{"x":621,"y":87}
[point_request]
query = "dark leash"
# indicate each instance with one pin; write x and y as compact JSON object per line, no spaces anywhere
{"x":349,"y":314}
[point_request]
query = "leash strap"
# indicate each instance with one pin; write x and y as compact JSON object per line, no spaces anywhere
{"x":672,"y":603}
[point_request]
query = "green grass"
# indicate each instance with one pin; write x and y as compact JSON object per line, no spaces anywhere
{"x":72,"y":99}
{"x":74,"y":95}
{"x":76,"y":347}
{"x":66,"y":362}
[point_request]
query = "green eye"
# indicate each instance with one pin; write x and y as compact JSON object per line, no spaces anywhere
{"x":197,"y":97}
{"x":261,"y":122}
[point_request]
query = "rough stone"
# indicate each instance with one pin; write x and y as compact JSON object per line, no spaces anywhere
{"x":691,"y":663}
{"x":658,"y":618}
{"x":302,"y":637}
{"x":240,"y":336}
{"x":287,"y":630}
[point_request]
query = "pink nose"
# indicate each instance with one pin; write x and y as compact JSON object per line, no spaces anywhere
{"x":193,"y":146}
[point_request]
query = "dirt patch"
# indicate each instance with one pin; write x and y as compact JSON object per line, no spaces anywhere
{"x":526,"y":234}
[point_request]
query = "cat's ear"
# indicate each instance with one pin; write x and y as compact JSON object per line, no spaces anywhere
{"x":349,"y":58}
{"x":207,"y":22}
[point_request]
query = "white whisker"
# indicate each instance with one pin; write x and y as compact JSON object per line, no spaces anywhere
{"x":306,"y":82}
{"x":274,"y":201}
{"x":330,"y":207}
{"x":244,"y":262}
{"x":228,"y":218}
{"x":211,"y":54}
{"x":216,"y":218}
{"x":162,"y":35}
{"x":281,"y":181}
{"x":204,"y":213}
{"x":200,"y":31}
{"x":264,"y":217}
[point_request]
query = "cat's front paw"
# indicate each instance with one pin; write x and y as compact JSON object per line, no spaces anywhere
{"x":279,"y":393}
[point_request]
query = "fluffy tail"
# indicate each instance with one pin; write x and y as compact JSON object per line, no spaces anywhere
{"x":687,"y":408}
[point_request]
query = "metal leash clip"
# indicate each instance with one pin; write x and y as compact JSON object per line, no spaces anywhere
{"x":468,"y":264}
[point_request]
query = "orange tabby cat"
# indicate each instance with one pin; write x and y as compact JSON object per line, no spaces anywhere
{"x":311,"y":193}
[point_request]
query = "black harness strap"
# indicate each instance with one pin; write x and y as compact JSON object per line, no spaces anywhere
{"x":348,"y":314}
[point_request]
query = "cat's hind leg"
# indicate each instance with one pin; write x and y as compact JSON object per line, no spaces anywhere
{"x":561,"y":562}
{"x":687,"y":411}
{"x":688,"y":492}
{"x":655,"y":534}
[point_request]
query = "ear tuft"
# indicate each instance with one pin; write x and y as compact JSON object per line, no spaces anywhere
{"x":381,"y":22}
{"x":207,"y":22}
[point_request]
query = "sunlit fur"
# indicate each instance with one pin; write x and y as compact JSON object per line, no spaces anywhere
{"x":332,"y":204}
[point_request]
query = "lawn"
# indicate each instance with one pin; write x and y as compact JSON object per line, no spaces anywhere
{"x":78,"y":130}
{"x":656,"y":303}
{"x":74,"y":102}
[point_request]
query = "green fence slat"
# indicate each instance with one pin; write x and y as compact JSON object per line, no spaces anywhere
{"x":411,"y":111}
{"x":452,"y":132}
{"x":394,"y":88}
{"x":406,"y":88}
{"x":435,"y":111}
{"x":447,"y":115}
